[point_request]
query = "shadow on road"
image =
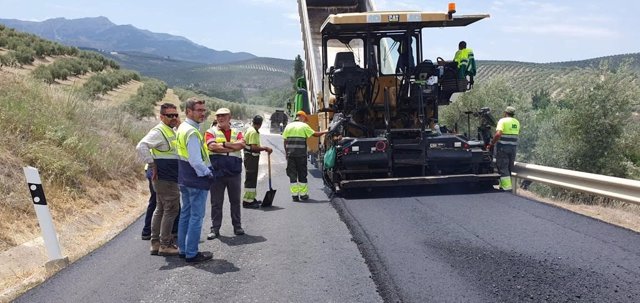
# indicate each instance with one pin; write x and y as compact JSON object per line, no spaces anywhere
{"x":215,"y":266}
{"x":312,"y":201}
{"x":316,"y":173}
{"x":270,"y":208}
{"x":241,"y":240}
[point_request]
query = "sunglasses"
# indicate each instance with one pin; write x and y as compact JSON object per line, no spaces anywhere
{"x":171,"y":116}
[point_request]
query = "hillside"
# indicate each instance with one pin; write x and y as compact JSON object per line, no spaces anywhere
{"x":532,"y":77}
{"x":101,"y":33}
{"x":251,"y":75}
{"x":66,"y":112}
{"x":149,"y":65}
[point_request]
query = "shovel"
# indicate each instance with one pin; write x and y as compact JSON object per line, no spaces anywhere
{"x":268,"y":197}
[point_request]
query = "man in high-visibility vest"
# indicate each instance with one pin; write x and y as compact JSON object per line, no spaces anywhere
{"x":225,"y":146}
{"x":506,"y":142}
{"x":194,"y":174}
{"x":295,"y":144}
{"x":158,"y":150}
{"x":251,"y":160}
{"x":466,"y":62}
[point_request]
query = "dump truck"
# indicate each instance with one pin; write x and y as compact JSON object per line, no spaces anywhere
{"x":278,"y":120}
{"x":369,"y":84}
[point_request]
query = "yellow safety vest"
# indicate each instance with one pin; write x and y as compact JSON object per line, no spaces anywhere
{"x":170,"y":136}
{"x":220,"y":138}
{"x":295,"y":138}
{"x":185,"y":130}
{"x":510,"y":128}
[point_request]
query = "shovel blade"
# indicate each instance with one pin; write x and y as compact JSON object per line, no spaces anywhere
{"x":268,"y":198}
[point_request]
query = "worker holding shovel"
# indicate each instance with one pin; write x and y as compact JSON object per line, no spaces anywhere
{"x":251,"y":158}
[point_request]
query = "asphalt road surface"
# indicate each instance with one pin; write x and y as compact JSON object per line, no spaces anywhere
{"x":430,"y":244}
{"x":451,"y":245}
{"x":292,"y":252}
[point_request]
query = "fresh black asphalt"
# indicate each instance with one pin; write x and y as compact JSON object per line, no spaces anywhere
{"x":450,"y":244}
{"x":429,"y":244}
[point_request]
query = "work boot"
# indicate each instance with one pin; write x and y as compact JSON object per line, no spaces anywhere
{"x":155,"y":247}
{"x":304,"y":197}
{"x":200,"y":257}
{"x":254,"y":204}
{"x":213,"y":234}
{"x":168,"y":250}
{"x":295,"y":198}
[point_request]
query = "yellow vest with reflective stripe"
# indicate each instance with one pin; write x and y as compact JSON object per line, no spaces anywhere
{"x":295,"y":138}
{"x":220,"y":138}
{"x":186,"y":130}
{"x":170,"y":136}
{"x":510,"y":130}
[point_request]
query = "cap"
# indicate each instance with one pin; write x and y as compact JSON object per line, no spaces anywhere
{"x":223,"y":111}
{"x":257,"y":119}
{"x":301,"y":113}
{"x":510,"y":110}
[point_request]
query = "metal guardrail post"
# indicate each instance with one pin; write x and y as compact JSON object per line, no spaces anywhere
{"x":56,"y":260}
{"x":612,"y":187}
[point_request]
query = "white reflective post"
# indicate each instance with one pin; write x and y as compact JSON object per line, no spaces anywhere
{"x":56,"y":260}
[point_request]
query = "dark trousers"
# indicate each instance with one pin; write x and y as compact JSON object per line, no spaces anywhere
{"x":297,"y":169}
{"x":234,"y":185}
{"x":251,"y":164}
{"x":505,"y":156}
{"x":151,"y":207}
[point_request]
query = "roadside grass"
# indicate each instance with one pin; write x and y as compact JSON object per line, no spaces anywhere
{"x":75,"y":146}
{"x":91,"y":175}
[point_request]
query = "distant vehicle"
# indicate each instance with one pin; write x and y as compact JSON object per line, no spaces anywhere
{"x":279,"y":120}
{"x":238,"y":125}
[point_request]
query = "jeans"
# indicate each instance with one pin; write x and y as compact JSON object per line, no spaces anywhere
{"x":192,"y":212}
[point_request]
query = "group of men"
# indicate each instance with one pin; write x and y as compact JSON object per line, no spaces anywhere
{"x":184,"y":163}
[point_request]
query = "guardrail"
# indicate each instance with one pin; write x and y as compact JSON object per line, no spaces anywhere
{"x":612,"y":187}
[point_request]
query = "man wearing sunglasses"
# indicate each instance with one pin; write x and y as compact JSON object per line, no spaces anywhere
{"x":158,"y":150}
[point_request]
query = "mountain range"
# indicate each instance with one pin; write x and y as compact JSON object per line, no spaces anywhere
{"x":102,"y":34}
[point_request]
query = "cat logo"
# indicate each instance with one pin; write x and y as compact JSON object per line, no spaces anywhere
{"x":394,"y":18}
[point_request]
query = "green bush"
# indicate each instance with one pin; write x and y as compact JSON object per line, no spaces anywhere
{"x":8,"y":59}
{"x":104,"y":82}
{"x":143,"y":103}
{"x":590,"y":123}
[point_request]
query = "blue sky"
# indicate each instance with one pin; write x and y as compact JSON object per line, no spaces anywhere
{"x":527,"y":30}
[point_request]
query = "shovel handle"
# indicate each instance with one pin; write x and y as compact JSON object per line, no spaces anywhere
{"x":269,"y":160}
